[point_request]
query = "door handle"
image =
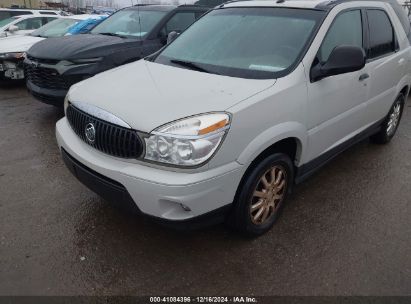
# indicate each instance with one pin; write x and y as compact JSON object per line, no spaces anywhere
{"x":363,"y":77}
{"x":401,"y":61}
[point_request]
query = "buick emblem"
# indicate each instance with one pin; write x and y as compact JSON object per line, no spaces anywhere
{"x":90,"y":132}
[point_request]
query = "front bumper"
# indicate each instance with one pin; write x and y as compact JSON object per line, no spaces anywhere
{"x":52,"y":97}
{"x":159,"y":193}
{"x":11,"y":70}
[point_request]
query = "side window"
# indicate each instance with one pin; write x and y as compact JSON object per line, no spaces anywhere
{"x":19,"y":13}
{"x":5,"y":15}
{"x":30,"y":24}
{"x":382,"y":38}
{"x":180,"y":21}
{"x":199,"y":14}
{"x":345,"y":30}
{"x":46,"y":20}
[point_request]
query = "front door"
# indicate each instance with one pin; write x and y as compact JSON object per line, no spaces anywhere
{"x":336,"y":103}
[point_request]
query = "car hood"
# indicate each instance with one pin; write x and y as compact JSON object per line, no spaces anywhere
{"x":80,"y":47}
{"x":18,"y":43}
{"x":147,"y":95}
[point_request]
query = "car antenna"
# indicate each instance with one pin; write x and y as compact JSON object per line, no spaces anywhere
{"x":139,"y":18}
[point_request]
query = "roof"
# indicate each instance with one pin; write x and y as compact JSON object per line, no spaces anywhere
{"x":153,"y":7}
{"x":28,"y":9}
{"x":325,"y":5}
{"x":319,"y":4}
{"x":85,"y":16}
{"x":276,"y":3}
{"x":34,"y":16}
{"x":162,"y":7}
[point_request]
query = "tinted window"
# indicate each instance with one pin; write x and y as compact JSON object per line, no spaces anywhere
{"x":56,"y":28}
{"x":345,"y":30}
{"x":4,"y":15}
{"x":19,"y":13}
{"x":8,"y":14}
{"x":32,"y":23}
{"x":180,"y":21}
{"x":130,"y":22}
{"x":7,"y":21}
{"x":250,"y":42}
{"x":382,"y":40}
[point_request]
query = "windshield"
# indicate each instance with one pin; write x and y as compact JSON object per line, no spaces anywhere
{"x":127,"y":23}
{"x":7,"y":21}
{"x":55,"y":28}
{"x":259,"y":43}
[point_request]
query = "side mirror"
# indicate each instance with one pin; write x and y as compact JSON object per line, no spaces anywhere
{"x":343,"y":59}
{"x":172,"y":36}
{"x":13,"y":28}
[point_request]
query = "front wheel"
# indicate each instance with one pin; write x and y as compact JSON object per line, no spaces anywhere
{"x":390,"y":125}
{"x":262,"y":195}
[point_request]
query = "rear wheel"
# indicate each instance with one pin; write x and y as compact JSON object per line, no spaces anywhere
{"x":390,"y":125}
{"x":262,"y":195}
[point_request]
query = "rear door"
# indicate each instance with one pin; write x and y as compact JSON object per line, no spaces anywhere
{"x":386,"y":64}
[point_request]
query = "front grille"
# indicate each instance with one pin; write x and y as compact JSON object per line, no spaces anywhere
{"x":109,"y":138}
{"x":45,"y":77}
{"x":40,"y":60}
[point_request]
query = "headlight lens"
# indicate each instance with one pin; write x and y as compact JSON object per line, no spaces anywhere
{"x":17,"y":55}
{"x":86,"y":60}
{"x":66,"y":104}
{"x":187,"y":142}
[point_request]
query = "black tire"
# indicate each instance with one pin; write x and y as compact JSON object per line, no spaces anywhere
{"x":241,"y":217}
{"x":385,"y":135}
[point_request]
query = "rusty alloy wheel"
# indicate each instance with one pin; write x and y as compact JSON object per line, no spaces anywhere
{"x":268,"y":195}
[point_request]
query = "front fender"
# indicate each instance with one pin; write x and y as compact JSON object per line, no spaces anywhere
{"x":273,"y":135}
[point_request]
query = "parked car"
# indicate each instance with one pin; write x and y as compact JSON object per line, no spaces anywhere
{"x":126,"y":36}
{"x":6,"y":13}
{"x":12,"y":49}
{"x":86,"y":25}
{"x":23,"y":25}
{"x":251,"y":99}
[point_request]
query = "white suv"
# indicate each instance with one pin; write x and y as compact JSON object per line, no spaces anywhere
{"x":248,"y":101}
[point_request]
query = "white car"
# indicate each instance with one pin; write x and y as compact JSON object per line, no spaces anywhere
{"x":23,"y":25}
{"x":249,"y":100}
{"x":6,"y":13}
{"x":12,"y":49}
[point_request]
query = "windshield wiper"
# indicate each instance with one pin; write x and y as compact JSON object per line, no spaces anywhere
{"x":113,"y":34}
{"x":191,"y":65}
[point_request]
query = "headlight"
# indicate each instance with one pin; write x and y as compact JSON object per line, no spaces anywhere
{"x":17,"y":55}
{"x":187,"y":142}
{"x":66,"y":104}
{"x":86,"y":60}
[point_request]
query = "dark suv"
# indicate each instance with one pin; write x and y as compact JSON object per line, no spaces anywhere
{"x":53,"y":65}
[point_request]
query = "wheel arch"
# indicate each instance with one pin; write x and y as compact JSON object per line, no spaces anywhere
{"x":404,"y":86}
{"x":289,"y":138}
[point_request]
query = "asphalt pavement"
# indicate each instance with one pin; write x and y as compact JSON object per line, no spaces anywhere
{"x":345,"y":231}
